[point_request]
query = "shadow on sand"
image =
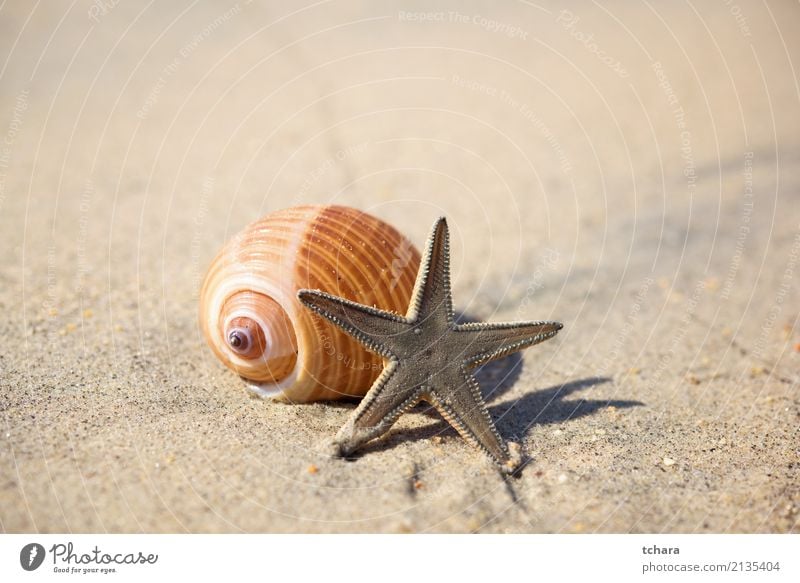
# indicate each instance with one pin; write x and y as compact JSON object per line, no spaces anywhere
{"x":514,"y":419}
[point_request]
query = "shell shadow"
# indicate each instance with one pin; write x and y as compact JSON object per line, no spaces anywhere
{"x":498,"y":376}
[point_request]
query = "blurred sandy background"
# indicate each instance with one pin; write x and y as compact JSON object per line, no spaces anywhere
{"x":628,"y":169}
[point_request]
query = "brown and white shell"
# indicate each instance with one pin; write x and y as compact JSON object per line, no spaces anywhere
{"x":250,"y":315}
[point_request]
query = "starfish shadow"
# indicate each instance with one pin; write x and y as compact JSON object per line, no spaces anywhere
{"x":548,"y":406}
{"x":514,"y":419}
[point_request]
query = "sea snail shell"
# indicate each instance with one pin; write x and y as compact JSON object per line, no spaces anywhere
{"x":250,"y":315}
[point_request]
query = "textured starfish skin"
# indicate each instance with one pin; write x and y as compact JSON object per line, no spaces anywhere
{"x":427,"y":357}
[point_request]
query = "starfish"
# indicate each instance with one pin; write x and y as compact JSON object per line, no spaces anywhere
{"x":427,"y":356}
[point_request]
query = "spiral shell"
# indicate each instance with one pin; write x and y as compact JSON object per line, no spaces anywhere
{"x":250,"y":315}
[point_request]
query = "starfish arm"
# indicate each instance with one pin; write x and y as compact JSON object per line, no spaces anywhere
{"x":389,"y":397}
{"x":486,"y":342}
{"x":431,"y":295}
{"x":372,"y":327}
{"x":462,"y":405}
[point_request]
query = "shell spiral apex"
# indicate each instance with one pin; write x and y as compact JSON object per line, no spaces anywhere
{"x":252,"y":320}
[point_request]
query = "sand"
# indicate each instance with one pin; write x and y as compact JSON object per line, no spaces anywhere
{"x":631,"y":171}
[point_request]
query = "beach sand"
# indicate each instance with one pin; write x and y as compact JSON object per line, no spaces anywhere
{"x":629,"y":170}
